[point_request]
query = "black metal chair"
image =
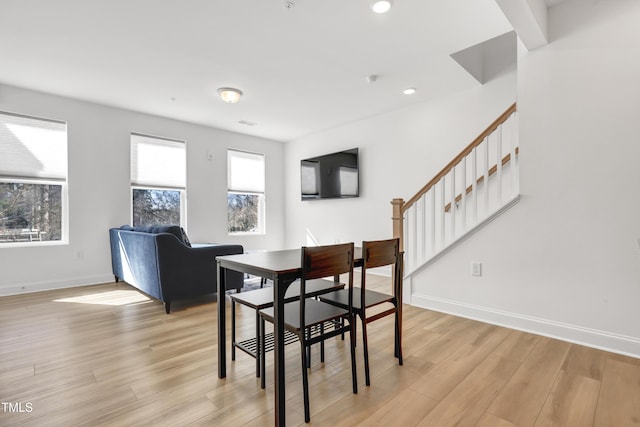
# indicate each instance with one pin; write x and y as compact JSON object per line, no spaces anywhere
{"x":377,"y":253}
{"x":305,"y":313}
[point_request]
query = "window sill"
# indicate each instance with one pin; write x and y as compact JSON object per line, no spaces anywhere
{"x":33,"y":244}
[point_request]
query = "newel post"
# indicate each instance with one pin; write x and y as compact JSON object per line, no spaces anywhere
{"x":398,"y":221}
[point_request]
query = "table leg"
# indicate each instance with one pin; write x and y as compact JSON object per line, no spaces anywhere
{"x":222,"y":339}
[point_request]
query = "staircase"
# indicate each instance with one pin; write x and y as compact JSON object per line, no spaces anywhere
{"x":478,"y":185}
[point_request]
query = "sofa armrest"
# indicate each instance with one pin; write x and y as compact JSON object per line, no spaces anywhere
{"x":217,"y":249}
{"x":189,"y":271}
{"x":133,"y":259}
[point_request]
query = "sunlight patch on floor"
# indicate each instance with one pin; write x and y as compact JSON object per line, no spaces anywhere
{"x":119,"y":297}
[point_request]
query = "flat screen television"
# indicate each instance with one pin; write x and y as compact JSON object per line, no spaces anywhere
{"x":332,"y":176}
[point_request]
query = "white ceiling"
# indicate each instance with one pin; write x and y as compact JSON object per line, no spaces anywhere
{"x":302,"y":70}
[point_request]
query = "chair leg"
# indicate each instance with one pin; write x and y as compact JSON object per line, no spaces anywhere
{"x":262,"y":355}
{"x":398,"y":340}
{"x":352,"y":339}
{"x":167,"y":306}
{"x":233,"y":330}
{"x":308,"y":348}
{"x":258,"y":343}
{"x":365,"y":344}
{"x":305,"y":380}
{"x":322,"y":343}
{"x":355,"y":329}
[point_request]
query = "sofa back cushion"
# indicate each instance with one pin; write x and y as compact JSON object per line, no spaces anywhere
{"x":185,"y":239}
{"x":155,"y":229}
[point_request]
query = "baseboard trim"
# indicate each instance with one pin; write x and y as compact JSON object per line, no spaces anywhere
{"x":615,"y":343}
{"x":50,"y":285}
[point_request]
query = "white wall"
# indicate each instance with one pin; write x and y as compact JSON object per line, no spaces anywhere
{"x":399,"y":152}
{"x":99,"y":189}
{"x":565,"y":261}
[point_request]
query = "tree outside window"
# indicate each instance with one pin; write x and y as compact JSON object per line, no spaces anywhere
{"x":243,"y":212}
{"x":30,"y":212}
{"x":155,"y":207}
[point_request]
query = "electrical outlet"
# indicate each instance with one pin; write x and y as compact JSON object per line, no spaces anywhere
{"x":476,"y":269}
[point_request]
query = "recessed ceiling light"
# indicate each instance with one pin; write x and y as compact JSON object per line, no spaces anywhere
{"x":371,"y":78}
{"x":381,"y":6}
{"x":409,"y":91}
{"x":229,"y":94}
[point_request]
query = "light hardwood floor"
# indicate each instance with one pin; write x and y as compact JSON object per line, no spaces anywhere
{"x":106,"y":355}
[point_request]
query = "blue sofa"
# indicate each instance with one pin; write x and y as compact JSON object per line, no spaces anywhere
{"x":160,"y":261}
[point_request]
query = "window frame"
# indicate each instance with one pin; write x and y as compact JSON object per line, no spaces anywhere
{"x":262,"y":211}
{"x":136,"y":186}
{"x":38,"y":180}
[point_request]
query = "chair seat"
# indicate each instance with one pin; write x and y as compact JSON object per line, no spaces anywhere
{"x":315,"y":313}
{"x":341,"y":298}
{"x":263,"y":298}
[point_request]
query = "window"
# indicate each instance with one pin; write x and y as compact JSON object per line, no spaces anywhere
{"x":158,"y":181}
{"x":245,"y":192}
{"x":33,"y":180}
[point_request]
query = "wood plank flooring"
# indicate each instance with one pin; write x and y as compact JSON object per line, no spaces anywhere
{"x":107,"y":355}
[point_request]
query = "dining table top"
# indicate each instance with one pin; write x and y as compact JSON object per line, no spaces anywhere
{"x":265,"y":263}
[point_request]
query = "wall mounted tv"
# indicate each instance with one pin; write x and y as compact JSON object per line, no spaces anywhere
{"x":332,"y":176}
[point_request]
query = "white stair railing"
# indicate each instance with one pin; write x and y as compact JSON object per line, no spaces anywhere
{"x":480,"y":183}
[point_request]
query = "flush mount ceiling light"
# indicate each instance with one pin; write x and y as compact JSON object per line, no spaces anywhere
{"x":229,"y":94}
{"x":409,"y":91}
{"x":381,"y":6}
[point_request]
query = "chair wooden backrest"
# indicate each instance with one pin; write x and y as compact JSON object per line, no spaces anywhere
{"x":325,"y":261}
{"x":380,"y":253}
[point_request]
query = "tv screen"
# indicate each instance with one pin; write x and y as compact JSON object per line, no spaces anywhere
{"x":330,"y":176}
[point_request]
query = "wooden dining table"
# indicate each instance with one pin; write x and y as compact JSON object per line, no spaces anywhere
{"x":281,"y":267}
